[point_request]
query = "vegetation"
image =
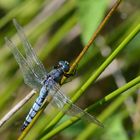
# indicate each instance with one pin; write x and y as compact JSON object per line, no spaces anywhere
{"x":107,"y":80}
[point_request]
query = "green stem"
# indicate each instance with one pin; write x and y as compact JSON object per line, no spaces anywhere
{"x":96,"y":74}
{"x":117,"y":92}
{"x":107,"y":112}
{"x":99,"y":103}
{"x":107,"y":62}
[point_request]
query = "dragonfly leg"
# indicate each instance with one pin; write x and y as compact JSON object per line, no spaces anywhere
{"x":70,"y":74}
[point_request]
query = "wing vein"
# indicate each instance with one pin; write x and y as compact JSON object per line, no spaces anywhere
{"x":29,"y":76}
{"x":65,"y":104}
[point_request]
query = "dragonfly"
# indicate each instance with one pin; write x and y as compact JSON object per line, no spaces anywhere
{"x":47,"y":83}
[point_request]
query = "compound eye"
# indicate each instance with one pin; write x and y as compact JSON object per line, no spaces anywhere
{"x":66,"y":69}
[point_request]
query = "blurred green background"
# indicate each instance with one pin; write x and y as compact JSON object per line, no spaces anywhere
{"x":58,"y":30}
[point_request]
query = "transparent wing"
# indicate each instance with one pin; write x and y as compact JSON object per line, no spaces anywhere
{"x":64,"y":104}
{"x":30,"y":77}
{"x":31,"y":56}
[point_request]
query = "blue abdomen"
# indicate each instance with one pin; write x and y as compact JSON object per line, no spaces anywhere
{"x":35,"y":108}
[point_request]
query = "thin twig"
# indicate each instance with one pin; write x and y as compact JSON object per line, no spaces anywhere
{"x":48,"y":10}
{"x":16,"y":108}
{"x":95,"y":34}
{"x":103,"y":23}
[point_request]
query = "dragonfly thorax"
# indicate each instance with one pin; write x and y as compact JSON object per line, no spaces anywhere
{"x":58,"y":72}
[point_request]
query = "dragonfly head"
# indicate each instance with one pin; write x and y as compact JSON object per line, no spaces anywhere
{"x":64,"y":65}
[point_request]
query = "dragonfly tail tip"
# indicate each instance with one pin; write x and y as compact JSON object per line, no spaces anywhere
{"x":23,"y":127}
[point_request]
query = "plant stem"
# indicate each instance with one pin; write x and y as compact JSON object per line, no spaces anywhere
{"x":84,"y":50}
{"x":96,"y":33}
{"x":107,"y":112}
{"x":95,"y":75}
{"x":112,"y":56}
{"x":134,"y":84}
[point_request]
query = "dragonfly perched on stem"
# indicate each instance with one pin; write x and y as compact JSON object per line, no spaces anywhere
{"x":47,"y":83}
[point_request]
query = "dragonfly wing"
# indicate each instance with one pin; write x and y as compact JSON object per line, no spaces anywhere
{"x":30,"y":77}
{"x":31,"y":56}
{"x":64,"y":104}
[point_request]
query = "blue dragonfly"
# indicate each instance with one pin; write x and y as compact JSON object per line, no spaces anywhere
{"x":47,"y":83}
